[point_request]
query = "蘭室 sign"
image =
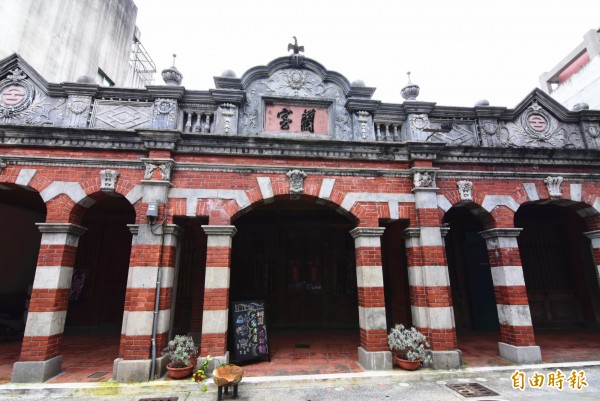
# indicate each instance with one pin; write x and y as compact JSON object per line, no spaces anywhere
{"x":249,"y":334}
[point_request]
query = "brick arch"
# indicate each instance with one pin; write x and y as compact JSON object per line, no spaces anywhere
{"x":486,"y":218}
{"x":585,"y":210}
{"x":351,"y":214}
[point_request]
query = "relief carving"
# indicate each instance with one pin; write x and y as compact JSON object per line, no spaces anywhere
{"x":554,"y":186}
{"x":227,"y":111}
{"x":2,"y":165}
{"x":165,"y":168}
{"x":77,"y":111}
{"x":121,"y":115}
{"x":296,"y":178}
{"x":424,"y":179}
{"x":164,"y":113}
{"x":108,"y":180}
{"x":465,"y":189}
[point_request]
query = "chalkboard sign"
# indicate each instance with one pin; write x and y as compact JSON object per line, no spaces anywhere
{"x":249,"y":331}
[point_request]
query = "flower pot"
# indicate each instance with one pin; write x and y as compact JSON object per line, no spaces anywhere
{"x":180,"y":373}
{"x":408,"y":365}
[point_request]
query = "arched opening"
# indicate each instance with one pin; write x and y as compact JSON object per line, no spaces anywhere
{"x":98,"y":287}
{"x":299,"y":257}
{"x":473,"y":298}
{"x":20,"y":209}
{"x":562,"y":284}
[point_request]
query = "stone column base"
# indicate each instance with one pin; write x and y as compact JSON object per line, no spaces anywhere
{"x":36,"y":371}
{"x":215,"y":361}
{"x":446,"y":359}
{"x":137,"y":370}
{"x":520,"y":355}
{"x":378,"y":360}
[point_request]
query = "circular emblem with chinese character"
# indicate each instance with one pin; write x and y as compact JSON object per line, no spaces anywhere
{"x":296,"y":79}
{"x":13,"y":95}
{"x":419,"y":122}
{"x":16,"y":93}
{"x":537,"y":122}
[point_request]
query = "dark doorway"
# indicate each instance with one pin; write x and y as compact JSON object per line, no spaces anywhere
{"x":470,"y":273}
{"x":189,"y":291}
{"x":101,"y":267}
{"x":299,"y":257}
{"x":20,"y":210}
{"x":395,"y":274}
{"x":562,"y":285}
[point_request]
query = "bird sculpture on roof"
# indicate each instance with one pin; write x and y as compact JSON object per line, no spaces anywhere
{"x":297,"y":49}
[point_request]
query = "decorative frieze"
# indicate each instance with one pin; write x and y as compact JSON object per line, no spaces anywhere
{"x":296,"y":178}
{"x":465,"y":189}
{"x":554,"y":186}
{"x":108,"y":180}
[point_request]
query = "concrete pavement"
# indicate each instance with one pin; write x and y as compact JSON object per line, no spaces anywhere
{"x":424,"y":384}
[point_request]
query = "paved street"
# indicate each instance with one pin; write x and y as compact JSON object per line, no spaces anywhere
{"x":423,"y":385}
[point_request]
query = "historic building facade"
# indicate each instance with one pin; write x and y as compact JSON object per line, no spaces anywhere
{"x":151,"y":209}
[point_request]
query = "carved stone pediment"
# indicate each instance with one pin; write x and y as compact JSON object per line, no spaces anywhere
{"x":22,"y":103}
{"x":300,"y":84}
{"x":535,"y":127}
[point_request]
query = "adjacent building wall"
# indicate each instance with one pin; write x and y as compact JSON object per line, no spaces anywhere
{"x":64,"y":39}
{"x":576,"y":79}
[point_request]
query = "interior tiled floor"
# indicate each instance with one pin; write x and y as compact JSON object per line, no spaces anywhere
{"x":481,"y":348}
{"x":309,"y":352}
{"x":89,"y":357}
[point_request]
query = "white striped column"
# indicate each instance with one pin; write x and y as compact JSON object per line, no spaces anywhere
{"x":516,"y":328}
{"x":373,"y":354}
{"x":153,"y":250}
{"x":215,"y":313}
{"x":40,"y":351}
{"x":429,"y":283}
{"x":594,"y":236}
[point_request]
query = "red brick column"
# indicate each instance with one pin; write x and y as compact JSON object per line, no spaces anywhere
{"x":40,"y":350}
{"x":594,"y":236}
{"x":373,"y":354}
{"x":215,"y":314}
{"x":516,"y":329}
{"x":153,"y":258}
{"x":429,"y":283}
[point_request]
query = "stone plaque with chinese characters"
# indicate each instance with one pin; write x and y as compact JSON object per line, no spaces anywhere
{"x":286,"y":118}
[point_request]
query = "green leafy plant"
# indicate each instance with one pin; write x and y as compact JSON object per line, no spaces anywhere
{"x":409,"y":344}
{"x":200,"y":374}
{"x":181,"y":350}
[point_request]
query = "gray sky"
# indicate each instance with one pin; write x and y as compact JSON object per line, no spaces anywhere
{"x":458,"y":52}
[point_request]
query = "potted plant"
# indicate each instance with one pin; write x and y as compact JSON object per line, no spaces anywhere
{"x":409,"y":347}
{"x":182,"y":353}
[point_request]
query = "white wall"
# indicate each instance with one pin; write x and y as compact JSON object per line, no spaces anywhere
{"x":64,"y":39}
{"x":584,"y":86}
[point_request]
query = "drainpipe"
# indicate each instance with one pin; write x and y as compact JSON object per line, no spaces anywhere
{"x":155,"y":320}
{"x":156,"y":295}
